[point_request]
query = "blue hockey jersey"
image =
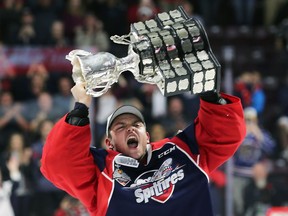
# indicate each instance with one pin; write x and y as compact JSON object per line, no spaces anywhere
{"x":174,"y":181}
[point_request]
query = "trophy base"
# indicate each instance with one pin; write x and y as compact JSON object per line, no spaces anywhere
{"x":175,"y":48}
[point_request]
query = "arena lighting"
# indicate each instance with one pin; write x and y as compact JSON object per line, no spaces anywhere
{"x":172,"y":51}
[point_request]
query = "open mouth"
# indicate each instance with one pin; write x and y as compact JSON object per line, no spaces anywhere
{"x":132,"y":142}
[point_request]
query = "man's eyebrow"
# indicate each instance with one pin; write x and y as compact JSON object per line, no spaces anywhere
{"x":118,"y":123}
{"x":138,"y":120}
{"x":122,"y":122}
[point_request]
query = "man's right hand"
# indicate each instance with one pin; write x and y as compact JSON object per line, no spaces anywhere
{"x":80,"y":95}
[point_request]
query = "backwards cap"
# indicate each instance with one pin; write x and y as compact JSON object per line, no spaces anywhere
{"x":126,"y":109}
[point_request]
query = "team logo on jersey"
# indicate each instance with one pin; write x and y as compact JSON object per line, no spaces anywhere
{"x":121,"y":177}
{"x":157,"y":185}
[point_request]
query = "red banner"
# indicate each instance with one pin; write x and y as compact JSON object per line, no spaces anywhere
{"x":18,"y":59}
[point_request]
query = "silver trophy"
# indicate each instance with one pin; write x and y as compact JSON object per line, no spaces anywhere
{"x":171,"y":51}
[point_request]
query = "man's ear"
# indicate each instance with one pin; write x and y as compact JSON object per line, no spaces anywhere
{"x":108,"y":143}
{"x":148,"y":137}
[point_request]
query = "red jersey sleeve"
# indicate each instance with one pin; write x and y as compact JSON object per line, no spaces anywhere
{"x":219,"y":130}
{"x":68,"y":163}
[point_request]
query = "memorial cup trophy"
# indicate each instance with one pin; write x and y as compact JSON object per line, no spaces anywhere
{"x":171,"y":51}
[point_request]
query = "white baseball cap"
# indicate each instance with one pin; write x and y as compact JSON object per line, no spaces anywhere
{"x":126,"y":109}
{"x":250,"y":113}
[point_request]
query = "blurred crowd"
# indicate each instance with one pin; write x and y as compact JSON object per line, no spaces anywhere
{"x":91,"y":22}
{"x":32,"y":102}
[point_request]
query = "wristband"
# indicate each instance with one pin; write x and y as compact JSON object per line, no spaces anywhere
{"x":213,"y":97}
{"x":79,"y":115}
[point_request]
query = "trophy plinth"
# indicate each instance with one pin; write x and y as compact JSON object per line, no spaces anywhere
{"x":171,"y":51}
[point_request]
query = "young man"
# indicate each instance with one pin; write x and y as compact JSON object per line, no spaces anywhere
{"x":134,"y":176}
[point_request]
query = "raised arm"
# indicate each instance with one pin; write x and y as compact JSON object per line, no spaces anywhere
{"x":219,"y":130}
{"x":66,"y":160}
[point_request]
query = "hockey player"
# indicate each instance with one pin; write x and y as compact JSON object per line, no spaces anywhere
{"x":136,"y":177}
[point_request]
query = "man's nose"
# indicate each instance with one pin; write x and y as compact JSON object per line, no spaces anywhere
{"x":130,"y":128}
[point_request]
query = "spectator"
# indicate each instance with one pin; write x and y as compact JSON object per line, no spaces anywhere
{"x":153,"y":100}
{"x":19,"y":164}
{"x":141,"y":11}
{"x":41,"y":109}
{"x":73,"y":17}
{"x":47,"y":196}
{"x":258,"y":94}
{"x":57,"y":35}
{"x":104,"y":105}
{"x":12,"y":118}
{"x":92,"y":34}
{"x":243,"y":88}
{"x":176,"y":118}
{"x":30,"y":85}
{"x":5,"y":193}
{"x":282,"y":129}
{"x":9,"y":17}
{"x":45,"y":13}
{"x":26,"y":33}
{"x":258,"y":145}
{"x":70,"y":206}
{"x":27,"y":87}
{"x":157,"y":132}
{"x":262,"y":192}
{"x":63,"y":99}
{"x":248,"y":87}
